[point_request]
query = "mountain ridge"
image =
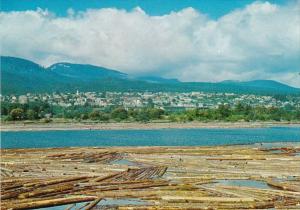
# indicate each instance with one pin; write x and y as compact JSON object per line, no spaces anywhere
{"x":21,"y":76}
{"x":86,"y":70}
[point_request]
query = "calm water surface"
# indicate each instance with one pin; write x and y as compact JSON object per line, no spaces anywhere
{"x":162,"y":137}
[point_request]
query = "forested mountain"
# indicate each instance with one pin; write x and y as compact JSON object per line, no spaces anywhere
{"x":19,"y":76}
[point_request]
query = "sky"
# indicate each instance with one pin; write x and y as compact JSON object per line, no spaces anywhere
{"x":191,"y":40}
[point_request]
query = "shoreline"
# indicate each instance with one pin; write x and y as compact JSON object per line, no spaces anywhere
{"x":140,"y":126}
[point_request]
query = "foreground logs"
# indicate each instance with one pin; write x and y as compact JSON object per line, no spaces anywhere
{"x":58,"y":188}
{"x":42,"y":203}
{"x":221,"y":177}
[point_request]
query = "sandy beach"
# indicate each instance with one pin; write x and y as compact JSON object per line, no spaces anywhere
{"x":139,"y":126}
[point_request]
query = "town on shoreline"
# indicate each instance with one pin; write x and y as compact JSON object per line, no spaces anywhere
{"x":148,"y":107}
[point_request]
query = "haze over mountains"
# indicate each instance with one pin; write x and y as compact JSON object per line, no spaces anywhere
{"x":21,"y":76}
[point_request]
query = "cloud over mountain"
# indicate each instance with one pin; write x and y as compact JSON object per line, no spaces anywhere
{"x":260,"y":41}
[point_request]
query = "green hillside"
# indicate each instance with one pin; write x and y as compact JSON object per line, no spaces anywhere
{"x":21,"y":76}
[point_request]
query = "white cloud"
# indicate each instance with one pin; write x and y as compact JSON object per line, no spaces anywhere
{"x":260,"y":41}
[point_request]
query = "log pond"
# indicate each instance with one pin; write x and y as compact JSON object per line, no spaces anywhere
{"x":151,"y":169}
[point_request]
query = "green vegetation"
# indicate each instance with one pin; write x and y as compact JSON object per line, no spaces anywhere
{"x":240,"y":112}
{"x":20,"y":76}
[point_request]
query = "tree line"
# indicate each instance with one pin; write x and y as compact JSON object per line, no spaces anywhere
{"x":239,"y":112}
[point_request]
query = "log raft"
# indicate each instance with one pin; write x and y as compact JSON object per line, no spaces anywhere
{"x":156,"y":178}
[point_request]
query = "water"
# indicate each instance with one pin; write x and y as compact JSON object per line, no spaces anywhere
{"x":120,"y":202}
{"x":63,"y":207}
{"x":240,"y":183}
{"x":245,"y":183}
{"x":159,"y":137}
{"x":106,"y":202}
{"x":125,"y":162}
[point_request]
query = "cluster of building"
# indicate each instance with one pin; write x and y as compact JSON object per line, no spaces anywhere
{"x":154,"y":99}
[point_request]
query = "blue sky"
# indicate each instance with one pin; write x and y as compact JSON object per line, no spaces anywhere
{"x":213,"y":8}
{"x":192,"y":40}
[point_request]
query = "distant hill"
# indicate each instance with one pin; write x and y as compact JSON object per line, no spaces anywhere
{"x":84,"y":71}
{"x":265,"y":85}
{"x":154,"y":79}
{"x":21,"y":76}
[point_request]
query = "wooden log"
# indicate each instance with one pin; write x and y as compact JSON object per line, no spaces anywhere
{"x":51,"y":202}
{"x":105,"y":177}
{"x":93,"y":204}
{"x":82,"y":207}
{"x":9,"y":195}
{"x":283,"y":186}
{"x":70,"y":207}
{"x":162,"y":171}
{"x":210,"y":199}
{"x":31,"y":189}
{"x":46,"y":191}
{"x":56,"y":181}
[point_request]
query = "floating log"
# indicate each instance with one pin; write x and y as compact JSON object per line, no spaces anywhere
{"x":52,"y":202}
{"x":210,"y":199}
{"x":93,"y":204}
{"x":283,"y":186}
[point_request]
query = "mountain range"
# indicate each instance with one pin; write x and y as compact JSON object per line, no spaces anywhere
{"x":19,"y":76}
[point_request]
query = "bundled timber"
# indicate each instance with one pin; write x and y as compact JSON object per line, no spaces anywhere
{"x":220,"y":177}
{"x":87,"y":157}
{"x":136,"y":174}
